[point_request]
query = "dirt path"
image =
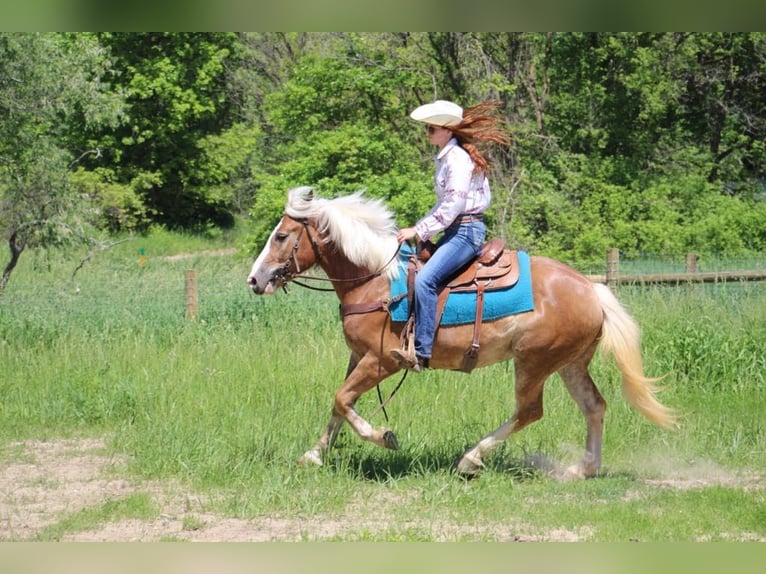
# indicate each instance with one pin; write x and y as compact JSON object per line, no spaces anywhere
{"x":42,"y":482}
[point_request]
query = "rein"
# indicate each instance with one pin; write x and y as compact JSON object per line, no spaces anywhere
{"x":382,"y":405}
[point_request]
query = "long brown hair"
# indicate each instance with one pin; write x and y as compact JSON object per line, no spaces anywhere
{"x":481,"y":124}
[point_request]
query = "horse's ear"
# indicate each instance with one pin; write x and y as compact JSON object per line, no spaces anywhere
{"x":300,"y":195}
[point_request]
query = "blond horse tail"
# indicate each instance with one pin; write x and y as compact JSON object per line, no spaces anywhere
{"x":621,"y":338}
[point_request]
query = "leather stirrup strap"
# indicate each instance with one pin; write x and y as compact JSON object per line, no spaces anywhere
{"x":412,"y":270}
{"x":441,"y":303}
{"x":471,"y":356}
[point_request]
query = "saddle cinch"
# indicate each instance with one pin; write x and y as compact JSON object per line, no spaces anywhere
{"x":495,"y":268}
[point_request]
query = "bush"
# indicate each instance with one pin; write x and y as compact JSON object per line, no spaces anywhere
{"x":116,"y":206}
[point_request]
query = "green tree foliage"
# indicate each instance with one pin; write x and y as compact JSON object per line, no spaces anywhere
{"x":648,"y":142}
{"x":656,"y":142}
{"x":175,"y":89}
{"x":334,"y":123}
{"x":48,"y":82}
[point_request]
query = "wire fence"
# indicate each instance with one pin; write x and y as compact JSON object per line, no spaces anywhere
{"x":717,"y":273}
{"x":124,"y":293}
{"x":157,"y":292}
{"x":649,"y":264}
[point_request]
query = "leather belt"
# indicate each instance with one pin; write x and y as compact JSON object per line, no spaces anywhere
{"x":467,"y":218}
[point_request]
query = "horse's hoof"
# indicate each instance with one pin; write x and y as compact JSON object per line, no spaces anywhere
{"x":389,"y":440}
{"x":310,"y":457}
{"x":579,"y":472}
{"x":574,"y":472}
{"x":469,"y":466}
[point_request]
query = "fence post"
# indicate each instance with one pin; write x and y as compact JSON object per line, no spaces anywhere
{"x":612,"y":267}
{"x":691,"y":262}
{"x":190,"y":291}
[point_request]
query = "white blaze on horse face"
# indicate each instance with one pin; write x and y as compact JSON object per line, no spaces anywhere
{"x":260,"y":279}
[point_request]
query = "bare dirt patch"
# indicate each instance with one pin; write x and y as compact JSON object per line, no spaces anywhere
{"x":42,"y":482}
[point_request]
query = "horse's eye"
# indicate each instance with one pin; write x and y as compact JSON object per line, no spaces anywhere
{"x":280,"y":237}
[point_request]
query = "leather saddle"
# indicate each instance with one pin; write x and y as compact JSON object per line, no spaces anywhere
{"x":495,"y":268}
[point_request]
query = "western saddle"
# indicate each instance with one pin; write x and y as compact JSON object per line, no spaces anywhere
{"x":495,"y":268}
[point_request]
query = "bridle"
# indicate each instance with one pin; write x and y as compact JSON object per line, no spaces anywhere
{"x":286,"y":274}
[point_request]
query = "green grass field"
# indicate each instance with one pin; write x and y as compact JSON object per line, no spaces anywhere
{"x":226,"y":405}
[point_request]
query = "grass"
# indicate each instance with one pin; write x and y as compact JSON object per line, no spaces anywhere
{"x":136,"y":506}
{"x":227,"y":404}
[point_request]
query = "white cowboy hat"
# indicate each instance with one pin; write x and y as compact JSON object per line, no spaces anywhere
{"x":439,"y":113}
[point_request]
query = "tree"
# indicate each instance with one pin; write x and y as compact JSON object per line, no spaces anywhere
{"x":339,"y":122}
{"x":175,"y":86}
{"x":638,"y":121}
{"x":46,"y":81}
{"x":724,"y":104}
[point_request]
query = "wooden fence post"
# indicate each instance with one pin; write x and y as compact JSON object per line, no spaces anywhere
{"x":612,"y":267}
{"x":190,"y":291}
{"x":691,"y":262}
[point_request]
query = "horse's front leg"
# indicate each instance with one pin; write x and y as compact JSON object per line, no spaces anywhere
{"x":362,"y":375}
{"x":315,"y":454}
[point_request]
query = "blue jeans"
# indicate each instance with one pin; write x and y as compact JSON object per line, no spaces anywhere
{"x":457,"y":247}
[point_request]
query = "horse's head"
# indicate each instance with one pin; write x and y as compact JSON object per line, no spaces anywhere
{"x":291,"y":249}
{"x":361,"y":232}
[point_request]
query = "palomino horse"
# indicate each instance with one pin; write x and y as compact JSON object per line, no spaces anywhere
{"x":353,"y":239}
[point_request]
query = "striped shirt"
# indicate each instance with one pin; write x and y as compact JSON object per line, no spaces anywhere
{"x":459,"y":191}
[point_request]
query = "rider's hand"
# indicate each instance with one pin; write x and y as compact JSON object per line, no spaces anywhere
{"x":405,"y":234}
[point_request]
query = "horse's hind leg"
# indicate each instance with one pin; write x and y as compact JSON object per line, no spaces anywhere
{"x":582,"y":389}
{"x":529,"y":408}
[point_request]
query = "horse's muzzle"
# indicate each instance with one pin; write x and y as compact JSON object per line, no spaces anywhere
{"x":262,"y":284}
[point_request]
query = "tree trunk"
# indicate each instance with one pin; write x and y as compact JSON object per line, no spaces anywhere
{"x":16,"y":249}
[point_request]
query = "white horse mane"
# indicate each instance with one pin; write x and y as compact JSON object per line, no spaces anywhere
{"x":363,"y":229}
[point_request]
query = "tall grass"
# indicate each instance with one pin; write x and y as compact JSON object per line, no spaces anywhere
{"x":229,"y":402}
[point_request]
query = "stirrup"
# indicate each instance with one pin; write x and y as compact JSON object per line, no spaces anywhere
{"x":405,"y":357}
{"x":405,"y":354}
{"x":408,"y":360}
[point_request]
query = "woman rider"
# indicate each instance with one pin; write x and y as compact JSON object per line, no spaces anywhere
{"x":462,"y":196}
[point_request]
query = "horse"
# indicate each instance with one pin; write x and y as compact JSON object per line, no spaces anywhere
{"x":352,"y":238}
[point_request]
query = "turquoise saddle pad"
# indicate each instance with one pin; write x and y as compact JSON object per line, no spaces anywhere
{"x":461,"y":307}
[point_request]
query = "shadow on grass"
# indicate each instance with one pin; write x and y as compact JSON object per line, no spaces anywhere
{"x":361,"y":462}
{"x":382,"y":466}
